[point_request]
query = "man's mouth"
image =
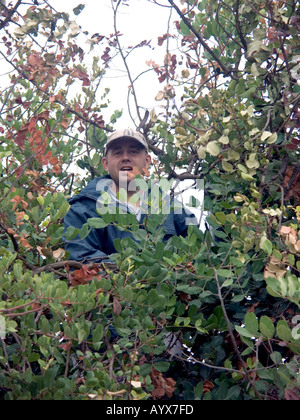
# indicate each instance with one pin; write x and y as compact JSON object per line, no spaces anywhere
{"x":126,"y":168}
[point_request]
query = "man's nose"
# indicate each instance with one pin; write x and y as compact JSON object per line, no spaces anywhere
{"x":125,"y":155}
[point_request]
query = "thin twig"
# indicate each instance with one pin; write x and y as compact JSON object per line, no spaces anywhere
{"x":5,"y":354}
{"x":10,"y":13}
{"x":23,"y":313}
{"x":125,"y":62}
{"x":225,"y":69}
{"x":237,"y":352}
{"x":67,"y":362}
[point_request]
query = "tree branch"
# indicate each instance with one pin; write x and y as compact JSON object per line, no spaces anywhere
{"x":10,"y":12}
{"x":237,"y":352}
{"x":226,"y":70}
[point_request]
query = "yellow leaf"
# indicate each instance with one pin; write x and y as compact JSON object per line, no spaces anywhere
{"x":224,"y":139}
{"x":213,"y":148}
{"x":201,"y":152}
{"x":247,"y":177}
{"x":254,"y":70}
{"x":252,"y":164}
{"x":285,"y":230}
{"x":254,"y":131}
{"x":272,"y":139}
{"x":180,"y":130}
{"x":136,"y":384}
{"x":58,"y":253}
{"x":185,"y":74}
{"x":153,"y":116}
{"x":265,"y":135}
{"x":159,"y":96}
{"x":227,"y":166}
{"x":233,"y":155}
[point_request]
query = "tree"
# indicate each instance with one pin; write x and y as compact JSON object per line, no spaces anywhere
{"x":229,"y":116}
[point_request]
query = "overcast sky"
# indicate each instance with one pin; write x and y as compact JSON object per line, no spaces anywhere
{"x":140,"y":20}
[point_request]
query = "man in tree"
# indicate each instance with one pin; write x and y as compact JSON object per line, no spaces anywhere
{"x":127,"y":159}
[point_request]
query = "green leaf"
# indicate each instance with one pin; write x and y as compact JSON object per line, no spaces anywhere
{"x":81,"y":335}
{"x":227,"y":282}
{"x":224,"y":273}
{"x":11,"y":326}
{"x":276,"y":357}
{"x":152,"y":296}
{"x":71,"y":233}
{"x":247,"y":351}
{"x":145,"y":369}
{"x":95,"y":160}
{"x":221,"y":217}
{"x":198,"y":390}
{"x":162,"y":366}
{"x":266,"y":245}
{"x":40,"y":200}
{"x":251,"y":323}
{"x":18,"y":271}
{"x":78,"y":9}
{"x":283,"y":331}
{"x":105,"y":284}
{"x":63,"y":210}
{"x":238,"y":298}
{"x":84,"y":231}
{"x":243,"y":331}
{"x":45,"y":327}
{"x":266,"y":326}
{"x":68,"y":332}
{"x":184,"y":29}
{"x":147,"y":257}
{"x":96,"y":223}
{"x":98,"y":333}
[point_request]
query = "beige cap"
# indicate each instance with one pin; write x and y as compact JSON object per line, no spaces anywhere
{"x":127,"y":133}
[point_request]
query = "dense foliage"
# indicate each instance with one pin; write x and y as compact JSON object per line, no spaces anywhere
{"x":214,"y":315}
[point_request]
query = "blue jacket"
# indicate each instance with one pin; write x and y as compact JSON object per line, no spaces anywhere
{"x":99,"y":244}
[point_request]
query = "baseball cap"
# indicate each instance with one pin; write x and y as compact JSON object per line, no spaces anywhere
{"x":127,"y":133}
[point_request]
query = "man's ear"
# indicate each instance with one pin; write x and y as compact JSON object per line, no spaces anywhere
{"x":148,"y":160}
{"x":105,"y":163}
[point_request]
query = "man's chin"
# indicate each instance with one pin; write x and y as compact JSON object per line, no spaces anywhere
{"x":125,"y":177}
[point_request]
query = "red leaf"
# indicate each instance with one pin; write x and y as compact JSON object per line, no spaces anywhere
{"x":292,"y":395}
{"x":66,"y":346}
{"x":84,"y":275}
{"x":162,"y":385}
{"x":117,"y":307}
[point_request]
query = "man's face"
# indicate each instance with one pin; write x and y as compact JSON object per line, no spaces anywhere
{"x":124,"y":160}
